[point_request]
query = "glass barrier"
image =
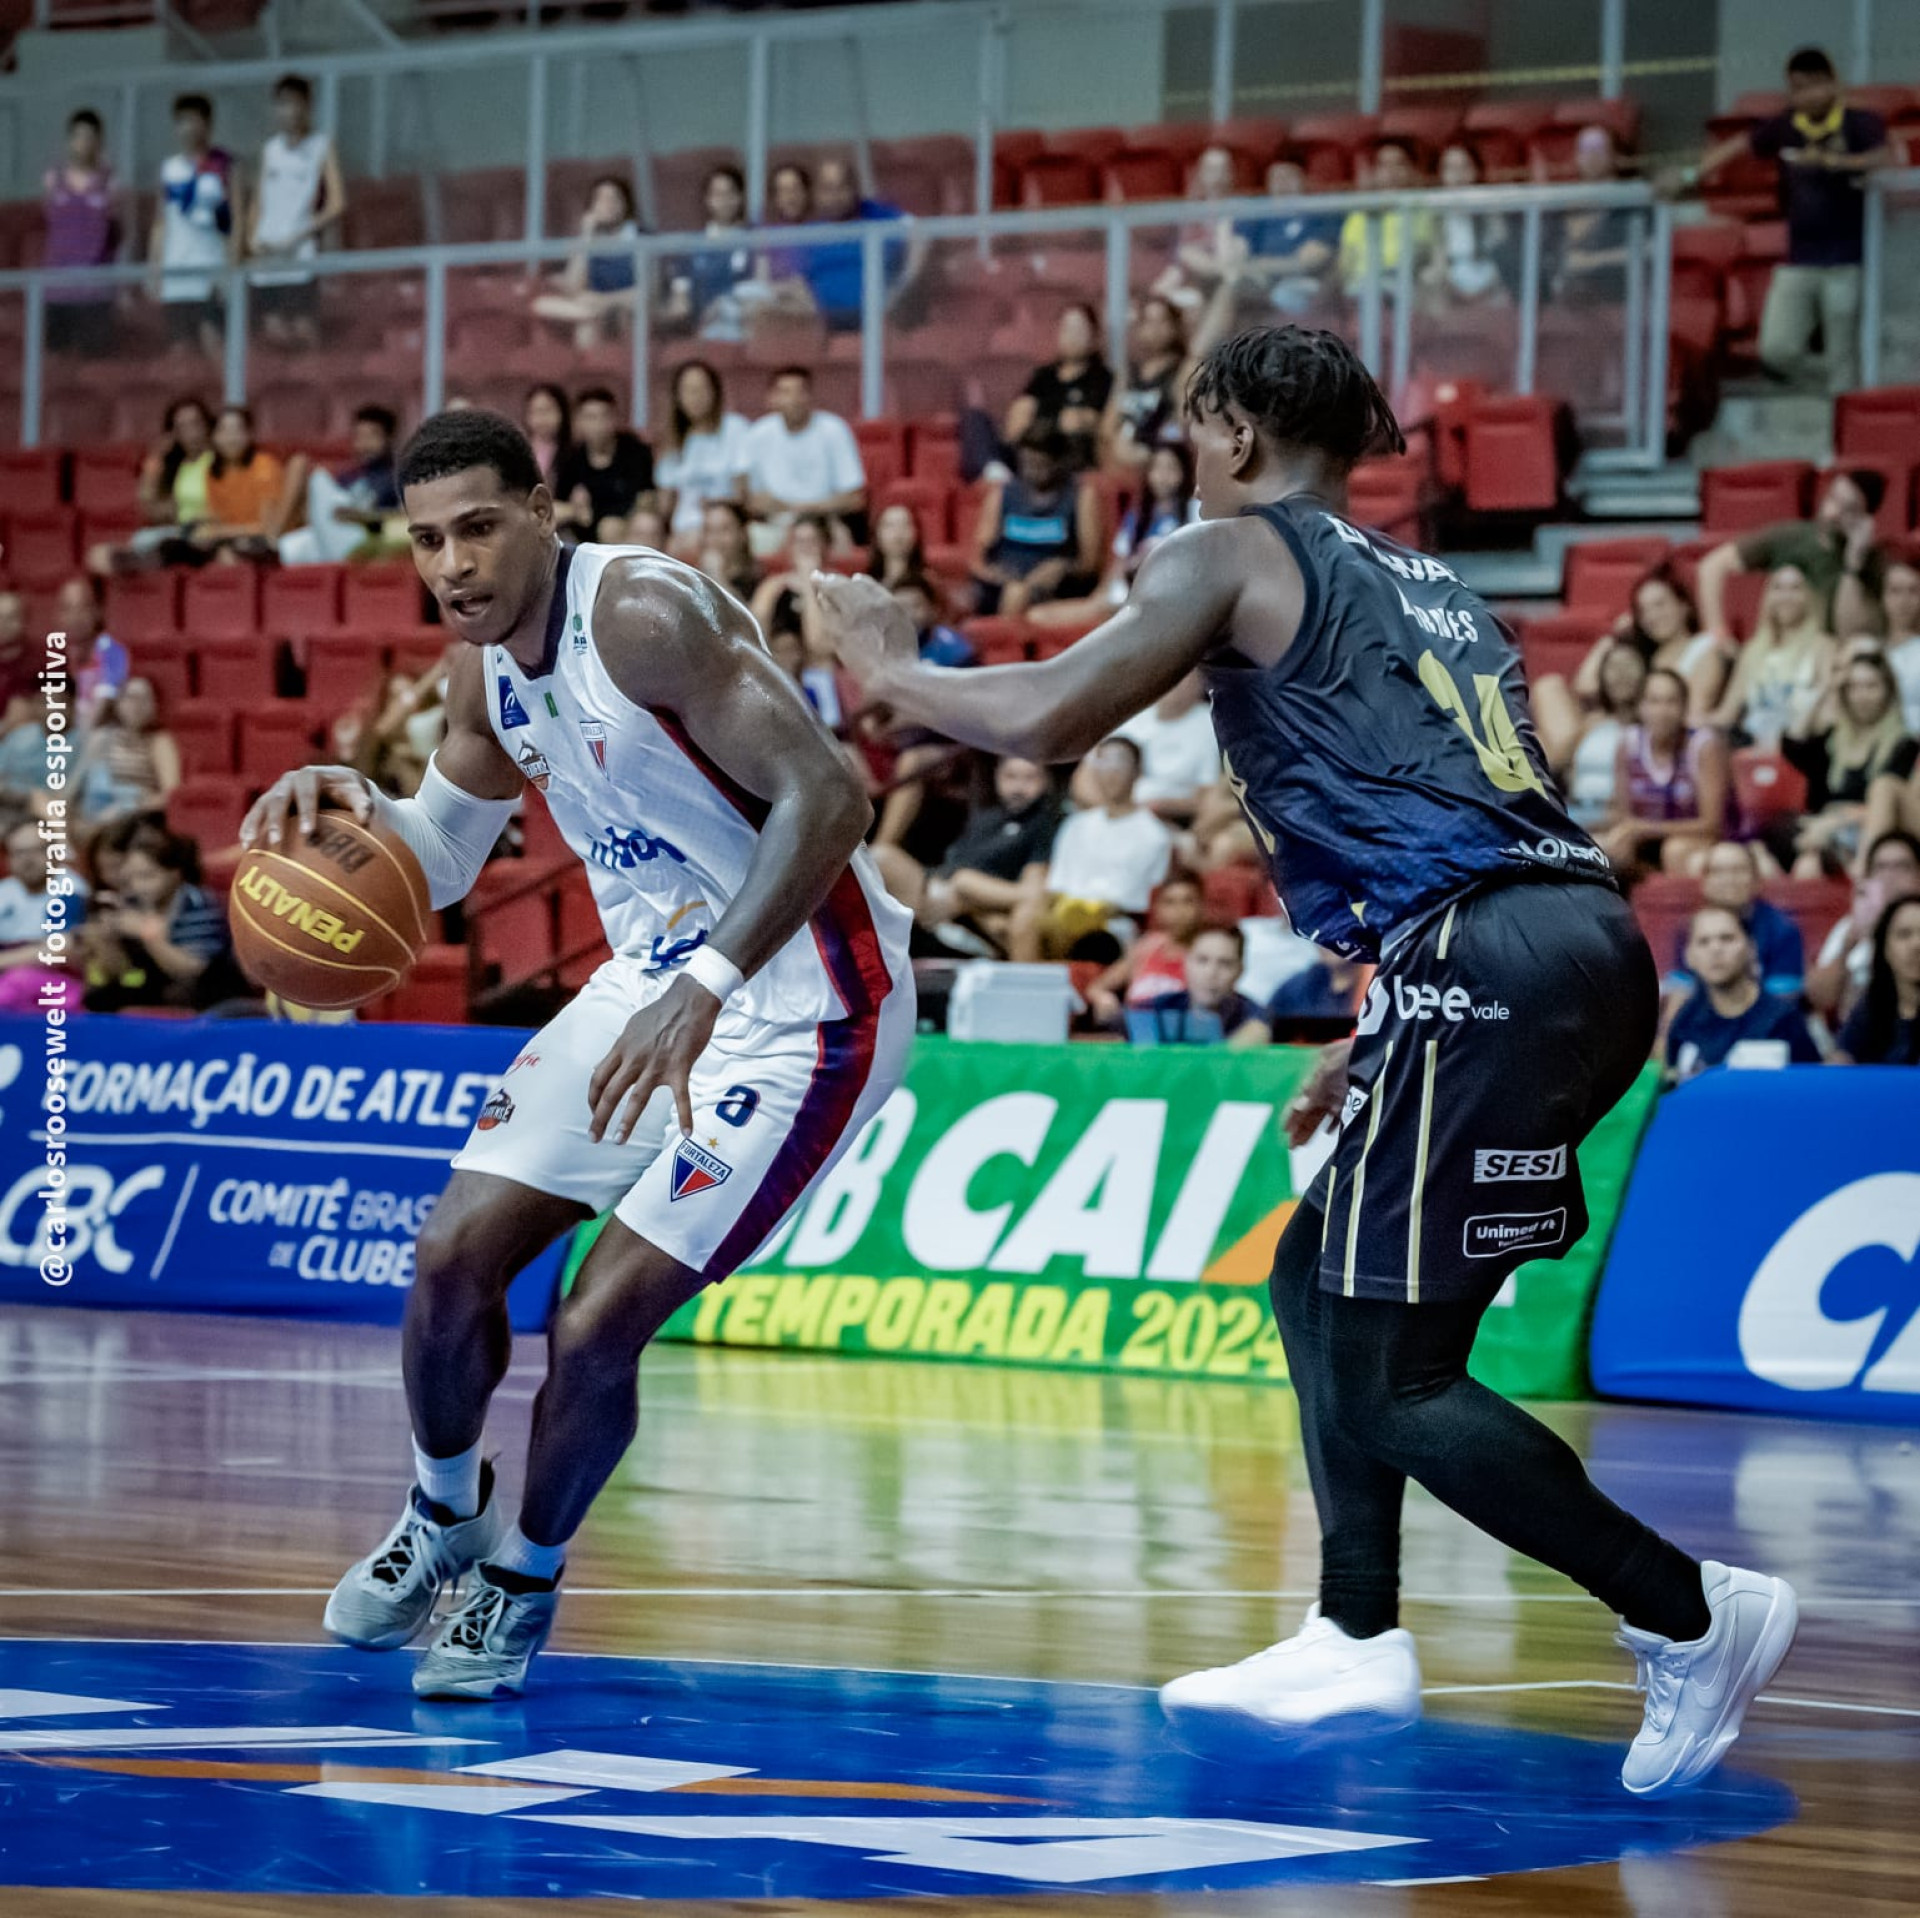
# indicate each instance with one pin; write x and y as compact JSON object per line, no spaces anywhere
{"x":1890,"y":344}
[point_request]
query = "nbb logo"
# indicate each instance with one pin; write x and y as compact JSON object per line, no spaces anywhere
{"x":1788,"y":1337}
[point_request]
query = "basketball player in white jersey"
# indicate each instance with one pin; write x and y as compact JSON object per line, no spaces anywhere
{"x":301,"y":195}
{"x":756,"y":1012}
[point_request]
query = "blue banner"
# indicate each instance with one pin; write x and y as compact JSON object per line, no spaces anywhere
{"x":1766,"y":1255}
{"x":235,"y":1165}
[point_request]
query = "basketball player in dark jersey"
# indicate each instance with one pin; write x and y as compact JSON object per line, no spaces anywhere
{"x":1373,"y":721}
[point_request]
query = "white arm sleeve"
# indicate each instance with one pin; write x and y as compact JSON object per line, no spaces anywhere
{"x":450,"y":831}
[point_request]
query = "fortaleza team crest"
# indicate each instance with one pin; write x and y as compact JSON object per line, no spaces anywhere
{"x":312,"y":1769}
{"x":695,"y":1169}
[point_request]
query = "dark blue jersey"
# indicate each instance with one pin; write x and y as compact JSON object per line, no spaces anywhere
{"x":1387,"y":763}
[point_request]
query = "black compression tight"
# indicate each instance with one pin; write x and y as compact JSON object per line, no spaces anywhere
{"x":1385,"y":1397}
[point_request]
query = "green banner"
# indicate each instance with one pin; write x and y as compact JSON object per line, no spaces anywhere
{"x":1094,"y":1207}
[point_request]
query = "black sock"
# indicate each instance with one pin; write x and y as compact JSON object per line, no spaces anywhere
{"x":518,"y":1583}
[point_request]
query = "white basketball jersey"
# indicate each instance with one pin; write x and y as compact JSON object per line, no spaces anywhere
{"x":665,"y":836}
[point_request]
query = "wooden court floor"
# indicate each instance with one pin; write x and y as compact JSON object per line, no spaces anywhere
{"x":199,"y":1483}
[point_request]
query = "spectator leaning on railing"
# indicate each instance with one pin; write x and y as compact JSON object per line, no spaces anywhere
{"x":1884,"y":1028}
{"x":81,"y":214}
{"x":1729,"y":1008}
{"x":595,"y":291}
{"x":197,"y":224}
{"x":1824,"y":148}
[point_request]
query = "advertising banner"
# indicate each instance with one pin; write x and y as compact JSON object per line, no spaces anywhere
{"x":1766,"y":1255}
{"x":234,"y":1165}
{"x":1097,"y":1207}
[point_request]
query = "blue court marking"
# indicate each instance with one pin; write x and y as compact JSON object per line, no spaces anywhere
{"x":156,"y":1766}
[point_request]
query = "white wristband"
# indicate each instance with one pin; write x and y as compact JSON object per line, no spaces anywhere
{"x":711,"y":968}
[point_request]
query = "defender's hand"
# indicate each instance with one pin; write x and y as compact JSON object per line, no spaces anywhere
{"x":301,"y":792}
{"x":866,"y":627}
{"x":657,"y":1047}
{"x":1321,"y":1098}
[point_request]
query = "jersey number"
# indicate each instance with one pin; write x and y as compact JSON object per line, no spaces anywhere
{"x":1502,"y":757}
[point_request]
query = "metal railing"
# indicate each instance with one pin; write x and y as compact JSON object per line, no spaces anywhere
{"x":1387,"y":308}
{"x":553,"y":64}
{"x":1386,"y":313}
{"x":1890,"y":281}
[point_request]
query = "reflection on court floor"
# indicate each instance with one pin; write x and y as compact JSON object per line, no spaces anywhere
{"x":297,"y":1769}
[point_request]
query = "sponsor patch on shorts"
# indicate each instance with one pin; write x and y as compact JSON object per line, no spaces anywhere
{"x":1493,"y":1166}
{"x":1492,"y":1235}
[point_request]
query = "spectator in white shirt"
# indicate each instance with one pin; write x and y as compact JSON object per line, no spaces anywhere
{"x":301,"y":194}
{"x":703,"y":455}
{"x":1179,"y":755}
{"x":1107,"y":859}
{"x":1900,"y":602}
{"x":801,"y":460}
{"x":1839,"y":972}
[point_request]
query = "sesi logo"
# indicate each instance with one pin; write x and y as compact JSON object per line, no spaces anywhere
{"x":1489,"y":1167}
{"x":1786,"y":1334}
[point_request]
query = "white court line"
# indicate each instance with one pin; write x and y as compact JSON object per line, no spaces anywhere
{"x":999,"y":1593}
{"x":1076,"y":1684}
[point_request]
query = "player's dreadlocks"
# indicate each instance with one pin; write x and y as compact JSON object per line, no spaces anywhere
{"x":1300,"y":386}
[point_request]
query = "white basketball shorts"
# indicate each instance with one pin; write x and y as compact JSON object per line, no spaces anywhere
{"x":773,"y":1107}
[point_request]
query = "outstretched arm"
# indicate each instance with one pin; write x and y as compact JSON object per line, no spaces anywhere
{"x":679,"y":646}
{"x":1184,"y":599}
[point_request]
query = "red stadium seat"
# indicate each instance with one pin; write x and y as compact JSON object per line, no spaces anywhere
{"x":1894,"y":518}
{"x":1429,"y":128}
{"x":221,"y":602}
{"x":1058,"y":179}
{"x":1663,"y":903}
{"x":208,"y":810}
{"x":143,"y":606}
{"x":1766,"y":787}
{"x":382,"y":598}
{"x":1144,"y":173}
{"x":340,"y":667}
{"x":274,"y":737}
{"x":235,"y":673}
{"x":1237,"y":892}
{"x":1095,"y":145}
{"x":1555,"y":643}
{"x":204,"y":731}
{"x":1387,"y":495}
{"x":929,"y":500}
{"x":298,"y":600}
{"x":933,"y":449}
{"x":517,"y":935}
{"x":1602,"y":573}
{"x":31,"y":479}
{"x":171,"y":677}
{"x":1513,"y":455}
{"x":42,"y":548}
{"x":1736,"y":498}
{"x":1814,"y":905}
{"x":1877,"y":422}
{"x":434,"y":992}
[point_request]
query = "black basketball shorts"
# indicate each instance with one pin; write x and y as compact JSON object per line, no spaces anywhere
{"x":1490,"y":1044}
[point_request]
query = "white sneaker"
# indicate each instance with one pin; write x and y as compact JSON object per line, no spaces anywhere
{"x":1698,"y":1692}
{"x":384,"y":1601}
{"x":1318,"y":1675}
{"x":485,"y":1647}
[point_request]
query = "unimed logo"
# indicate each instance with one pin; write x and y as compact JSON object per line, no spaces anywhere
{"x":1493,"y":1233}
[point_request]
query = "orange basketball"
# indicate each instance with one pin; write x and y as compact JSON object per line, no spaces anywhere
{"x":330,"y":922}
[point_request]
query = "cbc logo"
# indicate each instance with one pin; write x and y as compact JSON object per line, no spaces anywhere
{"x":1787,"y":1338}
{"x":95,"y":1200}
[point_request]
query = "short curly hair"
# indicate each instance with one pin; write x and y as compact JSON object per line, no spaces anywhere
{"x":457,"y":442}
{"x":1302,"y":387}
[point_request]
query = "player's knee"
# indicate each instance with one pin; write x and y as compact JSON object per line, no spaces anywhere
{"x":457,"y":1254}
{"x":591,"y":1342}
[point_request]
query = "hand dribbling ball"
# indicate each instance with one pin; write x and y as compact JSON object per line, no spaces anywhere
{"x":330,"y":922}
